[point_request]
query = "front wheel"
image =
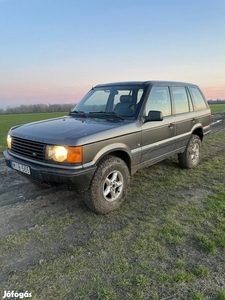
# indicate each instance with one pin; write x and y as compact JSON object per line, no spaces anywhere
{"x":191,"y":156}
{"x":109,"y":185}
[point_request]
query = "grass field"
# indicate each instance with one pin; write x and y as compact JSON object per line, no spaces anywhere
{"x":7,"y":121}
{"x":217,"y":107}
{"x":166,"y":242}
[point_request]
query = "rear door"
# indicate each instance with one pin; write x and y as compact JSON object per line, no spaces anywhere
{"x":202,"y":110}
{"x":184,"y":116}
{"x":158,"y":136}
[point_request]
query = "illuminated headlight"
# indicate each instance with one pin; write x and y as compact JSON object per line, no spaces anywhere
{"x":64,"y":153}
{"x":56,"y":153}
{"x":9,"y":141}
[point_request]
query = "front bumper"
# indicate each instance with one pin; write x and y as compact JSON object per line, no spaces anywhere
{"x":78,"y":179}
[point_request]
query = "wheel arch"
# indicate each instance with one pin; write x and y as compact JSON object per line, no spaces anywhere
{"x":199,"y":132}
{"x":117,"y":150}
{"x":124,"y":156}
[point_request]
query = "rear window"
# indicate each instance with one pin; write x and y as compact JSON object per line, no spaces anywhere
{"x":198,"y":99}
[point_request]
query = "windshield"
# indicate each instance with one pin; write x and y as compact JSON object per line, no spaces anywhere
{"x":121,"y":101}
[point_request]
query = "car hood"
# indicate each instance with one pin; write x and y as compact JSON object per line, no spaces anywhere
{"x":69,"y":130}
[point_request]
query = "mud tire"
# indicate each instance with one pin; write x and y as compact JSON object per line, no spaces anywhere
{"x":190,"y":158}
{"x":109,"y":185}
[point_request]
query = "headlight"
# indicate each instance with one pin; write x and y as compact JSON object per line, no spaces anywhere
{"x":9,"y":141}
{"x":64,"y":153}
{"x":57,"y":153}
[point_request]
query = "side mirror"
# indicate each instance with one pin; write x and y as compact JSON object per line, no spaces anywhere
{"x":154,"y":115}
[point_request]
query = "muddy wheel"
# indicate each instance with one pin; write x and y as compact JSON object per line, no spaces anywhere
{"x":109,"y":185}
{"x":191,"y":156}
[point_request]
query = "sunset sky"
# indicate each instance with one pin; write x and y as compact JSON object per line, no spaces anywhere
{"x":54,"y":51}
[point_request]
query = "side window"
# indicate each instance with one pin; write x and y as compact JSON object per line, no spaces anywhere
{"x":198,"y":99}
{"x":181,"y":103}
{"x":159,"y":99}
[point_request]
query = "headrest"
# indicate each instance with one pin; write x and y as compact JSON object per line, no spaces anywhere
{"x":125,"y":99}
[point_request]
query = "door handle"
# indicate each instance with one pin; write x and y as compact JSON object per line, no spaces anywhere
{"x":171,"y":125}
{"x":193,"y":120}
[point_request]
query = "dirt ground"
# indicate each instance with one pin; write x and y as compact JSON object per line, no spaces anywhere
{"x":23,"y":204}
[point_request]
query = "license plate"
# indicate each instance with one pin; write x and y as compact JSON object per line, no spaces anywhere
{"x":20,"y":167}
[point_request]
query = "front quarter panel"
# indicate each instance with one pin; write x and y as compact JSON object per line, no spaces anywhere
{"x":129,"y":143}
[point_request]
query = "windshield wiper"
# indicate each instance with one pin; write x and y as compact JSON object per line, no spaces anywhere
{"x":103,"y":114}
{"x":78,"y":113}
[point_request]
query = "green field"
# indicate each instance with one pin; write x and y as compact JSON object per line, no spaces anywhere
{"x":7,"y":121}
{"x":217,"y":107}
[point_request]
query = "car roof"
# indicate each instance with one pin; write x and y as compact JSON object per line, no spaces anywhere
{"x":146,"y":83}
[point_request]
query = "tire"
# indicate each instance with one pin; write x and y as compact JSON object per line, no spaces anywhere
{"x":109,"y":185}
{"x":191,"y":156}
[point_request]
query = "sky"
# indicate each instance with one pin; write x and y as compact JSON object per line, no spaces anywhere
{"x":54,"y":51}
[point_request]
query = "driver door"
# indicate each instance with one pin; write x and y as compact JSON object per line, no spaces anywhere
{"x":158,"y":136}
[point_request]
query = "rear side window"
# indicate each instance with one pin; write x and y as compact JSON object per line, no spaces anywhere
{"x":181,"y":103}
{"x":199,"y":101}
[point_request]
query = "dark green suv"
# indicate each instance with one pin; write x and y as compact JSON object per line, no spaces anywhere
{"x":116,"y":129}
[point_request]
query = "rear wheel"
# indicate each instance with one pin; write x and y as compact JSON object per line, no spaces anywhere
{"x":109,"y":185}
{"x":191,"y":156}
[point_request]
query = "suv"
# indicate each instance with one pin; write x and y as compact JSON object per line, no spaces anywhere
{"x":116,"y":129}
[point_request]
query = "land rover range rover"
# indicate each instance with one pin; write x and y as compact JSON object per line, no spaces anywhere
{"x":116,"y":129}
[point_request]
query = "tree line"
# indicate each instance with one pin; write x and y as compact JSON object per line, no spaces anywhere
{"x":216,"y":101}
{"x":42,"y":108}
{"x":37,"y":108}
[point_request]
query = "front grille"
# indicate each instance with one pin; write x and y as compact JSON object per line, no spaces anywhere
{"x":28,"y":148}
